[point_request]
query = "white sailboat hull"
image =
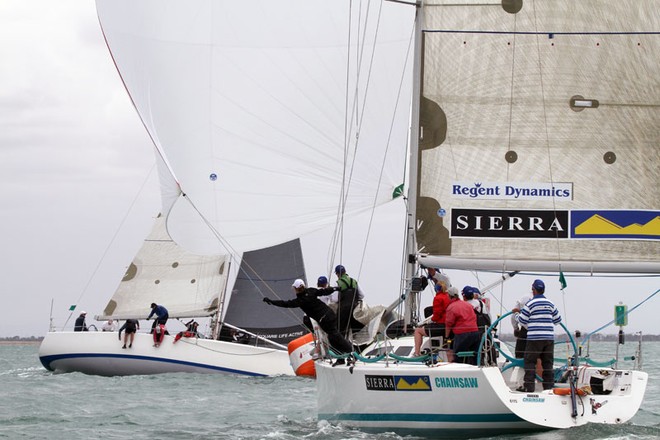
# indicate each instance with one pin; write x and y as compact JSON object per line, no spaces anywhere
{"x":100,"y":353}
{"x":451,"y":397}
{"x":448,"y":397}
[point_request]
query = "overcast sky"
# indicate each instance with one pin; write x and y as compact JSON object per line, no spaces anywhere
{"x":80,"y":189}
{"x":73,"y":159}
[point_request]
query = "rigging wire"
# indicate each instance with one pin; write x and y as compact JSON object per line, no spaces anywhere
{"x":266,"y":351}
{"x":546,"y":132}
{"x":387,"y":147}
{"x":112,"y":240}
{"x":589,"y":335}
{"x":510,"y":128}
{"x":233,"y":255}
{"x":347,"y":179}
{"x":339,"y":223}
{"x":337,"y":242}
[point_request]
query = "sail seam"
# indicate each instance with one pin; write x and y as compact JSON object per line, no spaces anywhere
{"x":549,"y":33}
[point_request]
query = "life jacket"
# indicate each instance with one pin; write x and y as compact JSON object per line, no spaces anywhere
{"x":347,"y":290}
{"x":346,"y":282}
{"x":483,"y":319}
{"x":159,"y":333}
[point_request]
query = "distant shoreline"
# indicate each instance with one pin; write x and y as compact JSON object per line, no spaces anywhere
{"x":598,"y":337}
{"x":19,"y":342}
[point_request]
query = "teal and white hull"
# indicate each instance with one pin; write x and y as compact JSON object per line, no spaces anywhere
{"x":441,"y":398}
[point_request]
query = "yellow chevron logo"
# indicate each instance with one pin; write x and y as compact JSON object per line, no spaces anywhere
{"x":598,"y":225}
{"x":413,"y":383}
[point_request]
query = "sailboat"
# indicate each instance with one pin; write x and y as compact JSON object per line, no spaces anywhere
{"x":534,"y":147}
{"x":246,"y":104}
{"x":193,"y":287}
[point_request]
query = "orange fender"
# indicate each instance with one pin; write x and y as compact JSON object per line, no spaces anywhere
{"x":300,"y":355}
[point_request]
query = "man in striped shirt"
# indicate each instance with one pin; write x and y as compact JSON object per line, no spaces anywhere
{"x":539,"y":315}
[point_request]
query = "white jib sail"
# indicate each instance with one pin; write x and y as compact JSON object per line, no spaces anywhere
{"x":187,"y":284}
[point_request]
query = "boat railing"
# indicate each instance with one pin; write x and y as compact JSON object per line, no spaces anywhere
{"x":515,"y":362}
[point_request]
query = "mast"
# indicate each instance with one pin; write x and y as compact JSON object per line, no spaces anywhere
{"x":412,"y":299}
{"x":216,"y":321}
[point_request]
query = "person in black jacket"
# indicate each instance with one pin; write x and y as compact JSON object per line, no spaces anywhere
{"x":307,"y":299}
{"x":131,"y":326}
{"x":80,"y":325}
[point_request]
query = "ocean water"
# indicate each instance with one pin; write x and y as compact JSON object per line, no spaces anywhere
{"x":37,"y":404}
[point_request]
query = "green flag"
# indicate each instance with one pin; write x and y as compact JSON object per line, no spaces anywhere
{"x":72,"y":308}
{"x":562,"y":280}
{"x":398,"y":191}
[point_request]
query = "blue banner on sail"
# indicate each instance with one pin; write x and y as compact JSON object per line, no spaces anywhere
{"x":612,"y":225}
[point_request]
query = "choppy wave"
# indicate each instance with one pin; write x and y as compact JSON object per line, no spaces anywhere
{"x":36,"y":404}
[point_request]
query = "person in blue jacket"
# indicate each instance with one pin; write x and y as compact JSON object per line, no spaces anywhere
{"x":161,"y":315}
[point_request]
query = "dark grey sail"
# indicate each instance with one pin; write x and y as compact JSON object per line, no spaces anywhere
{"x":269,"y":273}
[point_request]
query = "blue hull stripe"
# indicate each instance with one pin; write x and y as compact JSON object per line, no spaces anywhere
{"x":47,"y":360}
{"x":402,"y":417}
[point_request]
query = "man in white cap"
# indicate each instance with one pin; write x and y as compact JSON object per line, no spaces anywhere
{"x":80,"y":325}
{"x":307,"y":299}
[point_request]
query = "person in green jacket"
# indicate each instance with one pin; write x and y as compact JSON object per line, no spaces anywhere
{"x":349,"y":297}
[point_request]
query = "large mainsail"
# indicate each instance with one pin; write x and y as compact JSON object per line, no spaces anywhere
{"x":541,"y":135}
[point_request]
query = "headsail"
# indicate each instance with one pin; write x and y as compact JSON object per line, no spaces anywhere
{"x":268,"y":272}
{"x":540,"y":135}
{"x":266,"y":129}
{"x":188,"y":285}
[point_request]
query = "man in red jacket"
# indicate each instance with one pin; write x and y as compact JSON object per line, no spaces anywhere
{"x":437,"y":325}
{"x":462,"y":321}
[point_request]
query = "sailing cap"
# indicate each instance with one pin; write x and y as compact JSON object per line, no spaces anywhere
{"x":82,"y":312}
{"x":441,"y":279}
{"x":340,"y":269}
{"x":539,"y":286}
{"x":468,"y":292}
{"x":453,"y":292}
{"x":322,"y":281}
{"x":298,"y":283}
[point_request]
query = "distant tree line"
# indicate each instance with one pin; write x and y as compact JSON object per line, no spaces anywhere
{"x":598,"y":337}
{"x":21,"y":338}
{"x":629,"y":337}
